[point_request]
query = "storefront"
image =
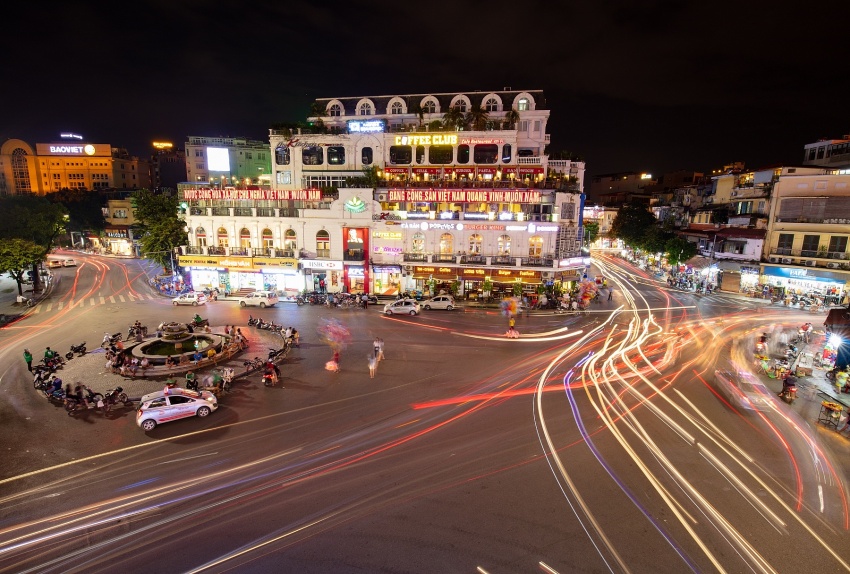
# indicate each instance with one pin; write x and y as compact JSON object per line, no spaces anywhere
{"x":118,"y":240}
{"x":322,"y":276}
{"x":802,"y":281}
{"x":430,"y":279}
{"x":230,"y":274}
{"x":386,"y":279}
{"x":279,"y":274}
{"x":505,"y":280}
{"x":354,"y":278}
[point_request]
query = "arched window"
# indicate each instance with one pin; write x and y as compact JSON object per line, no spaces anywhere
{"x":535,"y":246}
{"x":475,"y":241}
{"x":289,"y":243}
{"x":365,"y":109}
{"x":447,"y":244}
{"x":282,"y":155}
{"x":201,"y":237}
{"x":418,"y":243}
{"x":522,"y":105}
{"x":396,"y":108}
{"x":244,"y":238}
{"x":461,"y":106}
{"x":491,"y":105}
{"x":335,"y":110}
{"x":323,"y":243}
{"x":268,"y":239}
{"x":504,"y":245}
{"x":222,"y":237}
{"x":429,"y":107}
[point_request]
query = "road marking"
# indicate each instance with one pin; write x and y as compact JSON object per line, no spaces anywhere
{"x":820,"y":496}
{"x":61,"y":304}
{"x":102,"y":300}
{"x":91,"y":302}
{"x":122,"y":298}
{"x":111,"y":299}
{"x":49,"y":306}
{"x":188,"y":458}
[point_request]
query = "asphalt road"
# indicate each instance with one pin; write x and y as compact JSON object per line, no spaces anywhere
{"x":594,"y":443}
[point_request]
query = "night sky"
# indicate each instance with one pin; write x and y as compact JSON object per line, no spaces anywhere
{"x":652,"y":86}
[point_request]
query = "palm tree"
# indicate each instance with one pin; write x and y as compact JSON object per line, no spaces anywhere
{"x":316,"y":110}
{"x":477,"y":118}
{"x":454,"y":119}
{"x":416,"y":108}
{"x":511,"y":118}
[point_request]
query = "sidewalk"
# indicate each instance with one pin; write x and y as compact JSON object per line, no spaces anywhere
{"x":10,"y":309}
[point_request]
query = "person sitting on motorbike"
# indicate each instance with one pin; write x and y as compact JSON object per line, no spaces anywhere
{"x":271,"y":370}
{"x":191,"y":381}
{"x":57,"y":385}
{"x":197,"y":318}
{"x":48,"y":353}
{"x":787,"y":383}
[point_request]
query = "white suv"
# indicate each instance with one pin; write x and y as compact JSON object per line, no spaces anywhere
{"x":259,"y":299}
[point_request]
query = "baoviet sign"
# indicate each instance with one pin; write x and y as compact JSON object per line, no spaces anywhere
{"x":464,"y":195}
{"x":255,"y":194}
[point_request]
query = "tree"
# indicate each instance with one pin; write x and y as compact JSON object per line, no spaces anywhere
{"x":477,"y":118}
{"x":511,"y":118}
{"x":679,"y":249}
{"x":160,"y":228}
{"x":34,"y":219}
{"x":416,"y":108}
{"x":85,"y":209}
{"x":16,"y":255}
{"x":591,"y":232}
{"x":454,"y":119}
{"x":631,"y":223}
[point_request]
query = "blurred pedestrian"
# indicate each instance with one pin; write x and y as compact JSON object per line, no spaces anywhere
{"x":373,"y":365}
{"x":28,"y":359}
{"x":610,"y":292}
{"x":380,"y":356}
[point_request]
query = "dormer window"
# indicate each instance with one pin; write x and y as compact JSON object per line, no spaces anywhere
{"x":522,"y":105}
{"x":491,"y":105}
{"x":335,"y":110}
{"x":429,"y":107}
{"x":396,"y":108}
{"x":365,"y":109}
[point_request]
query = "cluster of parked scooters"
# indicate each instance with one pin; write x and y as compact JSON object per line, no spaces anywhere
{"x":77,"y":399}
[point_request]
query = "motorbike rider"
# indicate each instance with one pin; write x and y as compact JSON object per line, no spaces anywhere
{"x":191,"y":381}
{"x":57,"y":386}
{"x":787,"y":383}
{"x":271,"y":370}
{"x":197,"y":318}
{"x":48,"y":353}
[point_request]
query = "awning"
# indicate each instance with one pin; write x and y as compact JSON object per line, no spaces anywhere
{"x":487,"y":170}
{"x":531,"y":170}
{"x":698,"y":262}
{"x":396,"y":169}
{"x":461,"y":170}
{"x":429,"y":170}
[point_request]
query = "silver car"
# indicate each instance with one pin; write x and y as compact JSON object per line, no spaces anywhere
{"x":162,"y":407}
{"x":742,"y":389}
{"x":446,"y":302}
{"x":402,"y":307}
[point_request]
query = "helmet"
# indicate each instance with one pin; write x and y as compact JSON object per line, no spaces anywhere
{"x":119,"y":390}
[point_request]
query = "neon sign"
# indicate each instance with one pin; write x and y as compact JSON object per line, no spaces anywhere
{"x":427,"y":139}
{"x":365,"y":126}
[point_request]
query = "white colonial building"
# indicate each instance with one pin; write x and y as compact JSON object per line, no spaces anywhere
{"x":392,"y":193}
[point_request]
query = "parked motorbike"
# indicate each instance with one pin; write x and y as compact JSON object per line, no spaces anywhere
{"x":55,"y":395}
{"x":252,"y":322}
{"x":254,"y":363}
{"x":114,"y":397}
{"x":79,"y":349}
{"x":132,"y":331}
{"x":275,"y":354}
{"x":109,"y":340}
{"x":788,"y":393}
{"x":53,"y":363}
{"x":43,"y":380}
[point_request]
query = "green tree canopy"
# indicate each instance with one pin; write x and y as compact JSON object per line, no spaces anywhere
{"x":591,"y":231}
{"x":632,"y":222}
{"x":679,"y":249}
{"x":160,"y":228}
{"x":18,"y":255}
{"x":85,"y":209}
{"x":34,"y":219}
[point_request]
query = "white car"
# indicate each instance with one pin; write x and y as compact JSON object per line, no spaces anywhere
{"x":402,"y":307}
{"x":259,"y":299}
{"x":194,"y":298}
{"x":742,"y":389}
{"x":53,"y":263}
{"x":69,"y":263}
{"x":446,"y":302}
{"x":159,"y":407}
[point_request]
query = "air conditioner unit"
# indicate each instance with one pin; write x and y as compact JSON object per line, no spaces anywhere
{"x":547,"y":275}
{"x":408,"y":268}
{"x":810,"y":262}
{"x":786,"y":260}
{"x":834,"y":265}
{"x":382,"y":197}
{"x":774,"y":259}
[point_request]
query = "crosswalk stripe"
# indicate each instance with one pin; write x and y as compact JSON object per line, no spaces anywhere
{"x":36,"y":310}
{"x":122,"y":298}
{"x":150,"y":297}
{"x":111,"y":299}
{"x":61,"y":304}
{"x":102,"y":300}
{"x":91,"y":302}
{"x":49,"y":307}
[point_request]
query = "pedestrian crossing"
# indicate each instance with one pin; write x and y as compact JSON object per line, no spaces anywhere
{"x":49,"y":306}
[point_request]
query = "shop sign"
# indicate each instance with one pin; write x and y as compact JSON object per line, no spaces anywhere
{"x":515,"y":274}
{"x":386,"y":249}
{"x":462,"y":170}
{"x":474,"y":272}
{"x":236,"y":262}
{"x":530,"y":170}
{"x":365,"y":126}
{"x":117,"y":233}
{"x":387,"y":235}
{"x":426,"y":139}
{"x":354,"y":205}
{"x":534,"y":228}
{"x":487,"y":170}
{"x":463,"y":196}
{"x":356,"y":272}
{"x":472,"y":141}
{"x":285,"y":262}
{"x":200,"y":261}
{"x":749,"y":271}
{"x":438,"y":272}
{"x":386,"y":216}
{"x":508,"y":170}
{"x":397,"y":170}
{"x":316,"y":264}
{"x":386,"y":269}
{"x":476,"y":216}
{"x":802,"y":273}
{"x":484,"y":227}
{"x":429,"y":170}
{"x":418,"y":215}
{"x":231,"y":193}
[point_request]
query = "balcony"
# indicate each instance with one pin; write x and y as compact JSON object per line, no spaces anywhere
{"x":416,"y":257}
{"x":829,"y":259}
{"x":537,"y":262}
{"x":809,"y":219}
{"x":532,"y":160}
{"x":242,"y":212}
{"x":354,"y":256}
{"x":221,"y":211}
{"x":195,"y":250}
{"x":265,"y":212}
{"x":217,"y":250}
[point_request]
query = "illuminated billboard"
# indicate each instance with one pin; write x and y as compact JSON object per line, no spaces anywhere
{"x":218,"y":159}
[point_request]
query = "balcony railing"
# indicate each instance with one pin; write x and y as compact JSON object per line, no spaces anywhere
{"x":809,"y":219}
{"x":195,"y":250}
{"x":240,"y":251}
{"x":242,"y":212}
{"x":416,"y":257}
{"x":443,"y":258}
{"x":356,"y":256}
{"x":785,"y":252}
{"x":221,"y":211}
{"x":265,"y":212}
{"x":214,"y":250}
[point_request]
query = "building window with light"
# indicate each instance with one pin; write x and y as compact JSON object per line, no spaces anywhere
{"x":365,"y":110}
{"x":447,"y":244}
{"x":475,"y":241}
{"x":244,"y":238}
{"x":312,"y":155}
{"x":336,"y":155}
{"x":535,"y":246}
{"x":223,"y":240}
{"x":323,"y":244}
{"x":429,"y":107}
{"x":282,"y":155}
{"x":504,"y":245}
{"x":522,"y":105}
{"x":418,"y":245}
{"x":289,"y":240}
{"x":268,"y":239}
{"x":366,"y":156}
{"x":200,"y":237}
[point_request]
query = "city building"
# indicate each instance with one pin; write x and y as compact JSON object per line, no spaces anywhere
{"x":68,"y":164}
{"x":118,"y":235}
{"x":805,"y":249}
{"x":168,"y":166}
{"x":603,"y":217}
{"x":223,"y":162}
{"x":393,"y":193}
{"x":615,"y":189}
{"x":828,"y":153}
